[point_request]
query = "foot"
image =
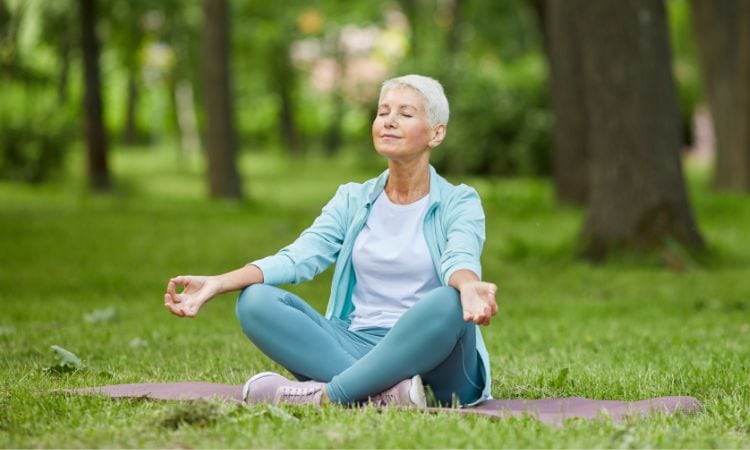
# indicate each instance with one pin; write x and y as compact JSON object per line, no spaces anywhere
{"x":270,"y":387}
{"x":408,"y":393}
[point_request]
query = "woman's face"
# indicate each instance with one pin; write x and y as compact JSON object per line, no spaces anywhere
{"x":401,"y":129}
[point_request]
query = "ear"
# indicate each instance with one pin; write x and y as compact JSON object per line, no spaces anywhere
{"x":438,"y":134}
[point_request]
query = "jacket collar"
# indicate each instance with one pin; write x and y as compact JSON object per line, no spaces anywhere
{"x":380,"y":181}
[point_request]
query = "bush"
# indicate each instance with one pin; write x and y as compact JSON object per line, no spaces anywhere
{"x":500,"y":120}
{"x":35,"y":133}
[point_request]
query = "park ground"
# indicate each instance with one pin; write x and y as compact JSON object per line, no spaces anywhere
{"x":87,"y":273}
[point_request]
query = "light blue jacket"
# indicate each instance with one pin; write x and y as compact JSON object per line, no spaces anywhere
{"x":453,"y":230}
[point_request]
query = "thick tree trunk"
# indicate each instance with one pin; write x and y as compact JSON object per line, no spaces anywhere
{"x":742,"y":118}
{"x":718,"y":25}
{"x":223,"y":178}
{"x":570,"y":153}
{"x":637,"y":196}
{"x":96,"y":138}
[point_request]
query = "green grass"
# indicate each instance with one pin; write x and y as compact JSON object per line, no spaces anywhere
{"x":628,"y":330}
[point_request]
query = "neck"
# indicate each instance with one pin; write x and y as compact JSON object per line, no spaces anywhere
{"x":407,"y":181}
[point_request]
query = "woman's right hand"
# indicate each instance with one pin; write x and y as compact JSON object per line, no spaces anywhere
{"x":196,"y":291}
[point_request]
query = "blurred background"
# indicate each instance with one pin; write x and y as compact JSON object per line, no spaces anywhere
{"x":142,"y":139}
{"x":605,"y":99}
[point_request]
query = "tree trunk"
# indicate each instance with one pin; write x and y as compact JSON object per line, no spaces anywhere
{"x":96,"y":138}
{"x":334,"y":135}
{"x":637,"y":195}
{"x":411,"y":11}
{"x":284,"y":81}
{"x":453,"y":39}
{"x":130,"y":133}
{"x":715,"y":25}
{"x":570,"y":155}
{"x":62,"y":80}
{"x":187,"y":123}
{"x":742,"y":124}
{"x":223,"y":178}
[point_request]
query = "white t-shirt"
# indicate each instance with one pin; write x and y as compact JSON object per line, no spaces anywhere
{"x":392,"y":263}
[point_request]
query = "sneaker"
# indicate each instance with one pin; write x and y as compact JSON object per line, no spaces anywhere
{"x":270,"y":387}
{"x":408,"y":393}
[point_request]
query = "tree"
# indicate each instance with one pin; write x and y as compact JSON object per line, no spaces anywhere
{"x":721,"y":30}
{"x":570,"y":153}
{"x":223,"y":178}
{"x":96,"y":137}
{"x":126,"y":36}
{"x":637,"y":196}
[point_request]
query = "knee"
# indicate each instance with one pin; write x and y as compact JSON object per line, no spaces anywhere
{"x":444,"y":306}
{"x":250,"y":301}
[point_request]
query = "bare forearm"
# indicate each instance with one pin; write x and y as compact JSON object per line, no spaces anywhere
{"x":239,"y":279}
{"x":462,"y":276}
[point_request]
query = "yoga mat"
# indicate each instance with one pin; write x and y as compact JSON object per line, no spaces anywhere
{"x":552,"y":411}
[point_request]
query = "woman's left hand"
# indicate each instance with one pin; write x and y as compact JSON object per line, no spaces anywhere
{"x":478,"y":301}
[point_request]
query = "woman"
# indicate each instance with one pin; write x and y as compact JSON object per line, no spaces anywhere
{"x":407,"y":295}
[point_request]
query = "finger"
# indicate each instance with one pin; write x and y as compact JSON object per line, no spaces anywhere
{"x":173,"y":309}
{"x":171,"y":287}
{"x":491,"y":292}
{"x":171,"y":290}
{"x":169,"y":304}
{"x":468,"y":317}
{"x":181,"y":280}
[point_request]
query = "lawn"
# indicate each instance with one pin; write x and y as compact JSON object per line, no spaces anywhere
{"x":87,"y":273}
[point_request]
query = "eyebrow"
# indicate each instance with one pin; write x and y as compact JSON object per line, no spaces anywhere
{"x":385,"y":105}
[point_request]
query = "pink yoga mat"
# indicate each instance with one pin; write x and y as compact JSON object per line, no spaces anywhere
{"x":554,"y":410}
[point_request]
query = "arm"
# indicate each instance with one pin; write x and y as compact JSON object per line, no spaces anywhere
{"x":197,"y":290}
{"x":477,"y":297}
{"x":314,"y":250}
{"x":460,"y":259}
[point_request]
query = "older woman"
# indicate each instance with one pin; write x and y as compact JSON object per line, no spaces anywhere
{"x":407,"y":295}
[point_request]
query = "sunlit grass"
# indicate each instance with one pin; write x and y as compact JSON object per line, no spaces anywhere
{"x":629,"y":330}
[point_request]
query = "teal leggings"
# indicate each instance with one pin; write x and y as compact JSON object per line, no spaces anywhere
{"x":430,"y":339}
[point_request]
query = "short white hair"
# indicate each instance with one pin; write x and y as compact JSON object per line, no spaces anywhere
{"x":435,"y":101}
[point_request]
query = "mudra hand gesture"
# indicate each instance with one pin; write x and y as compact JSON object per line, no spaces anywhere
{"x":197,"y":290}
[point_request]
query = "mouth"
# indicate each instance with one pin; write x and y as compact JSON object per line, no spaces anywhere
{"x":389,"y":136}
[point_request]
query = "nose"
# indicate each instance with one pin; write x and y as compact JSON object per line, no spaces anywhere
{"x":390,"y":121}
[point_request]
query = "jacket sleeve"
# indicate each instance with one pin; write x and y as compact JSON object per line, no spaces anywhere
{"x":314,"y":250}
{"x":465,"y":233}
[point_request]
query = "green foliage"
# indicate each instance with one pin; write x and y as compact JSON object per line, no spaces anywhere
{"x":500,"y":122}
{"x":627,"y":330}
{"x":36,"y":126}
{"x":35,"y":133}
